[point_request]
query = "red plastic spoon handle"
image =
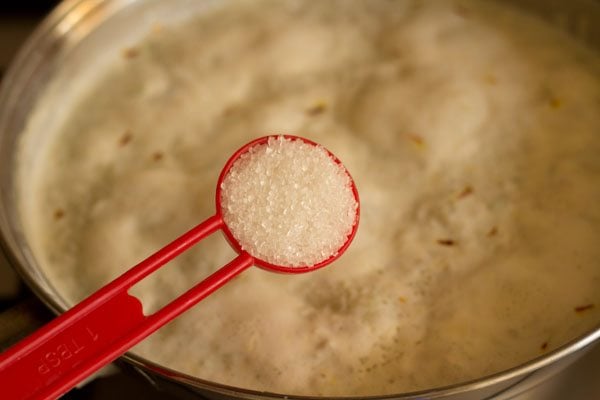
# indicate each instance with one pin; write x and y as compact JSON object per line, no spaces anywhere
{"x":103,"y":326}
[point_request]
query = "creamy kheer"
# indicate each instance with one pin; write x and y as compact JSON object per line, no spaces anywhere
{"x":471,"y":131}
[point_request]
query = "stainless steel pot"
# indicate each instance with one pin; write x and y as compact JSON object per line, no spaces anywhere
{"x":71,"y":42}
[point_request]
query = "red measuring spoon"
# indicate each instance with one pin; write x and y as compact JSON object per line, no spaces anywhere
{"x":106,"y":324}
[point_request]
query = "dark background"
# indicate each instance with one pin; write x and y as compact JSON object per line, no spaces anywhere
{"x":17,"y":18}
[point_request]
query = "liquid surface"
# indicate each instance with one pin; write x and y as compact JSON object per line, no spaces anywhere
{"x":288,"y":203}
{"x":472,"y":135}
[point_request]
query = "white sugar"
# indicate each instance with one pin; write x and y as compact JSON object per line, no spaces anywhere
{"x":288,"y":203}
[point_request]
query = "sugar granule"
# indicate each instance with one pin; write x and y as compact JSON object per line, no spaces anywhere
{"x":288,"y":203}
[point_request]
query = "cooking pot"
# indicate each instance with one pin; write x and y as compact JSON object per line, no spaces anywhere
{"x":72,"y":42}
